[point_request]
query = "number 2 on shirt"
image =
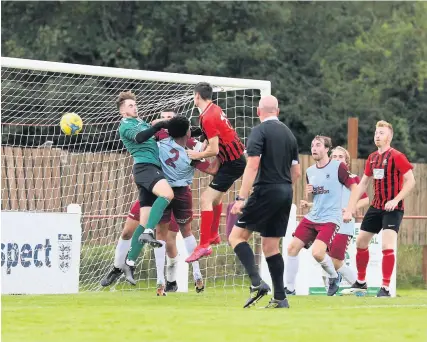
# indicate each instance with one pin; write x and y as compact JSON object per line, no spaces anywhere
{"x":171,"y":161}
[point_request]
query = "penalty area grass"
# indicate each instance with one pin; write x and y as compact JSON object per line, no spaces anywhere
{"x":216,"y":315}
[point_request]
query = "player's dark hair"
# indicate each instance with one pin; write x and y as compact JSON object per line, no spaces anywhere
{"x":123,"y":96}
{"x":327,"y":141}
{"x":204,"y":89}
{"x":178,"y":126}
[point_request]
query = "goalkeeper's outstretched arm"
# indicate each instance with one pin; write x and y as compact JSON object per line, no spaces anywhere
{"x":144,"y":135}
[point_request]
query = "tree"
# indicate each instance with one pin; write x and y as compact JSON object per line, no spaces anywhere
{"x":326,"y":61}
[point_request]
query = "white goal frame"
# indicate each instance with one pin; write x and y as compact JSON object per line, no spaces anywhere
{"x":221,"y":84}
{"x":225,"y":82}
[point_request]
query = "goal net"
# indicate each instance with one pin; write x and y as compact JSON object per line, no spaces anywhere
{"x":44,"y":170}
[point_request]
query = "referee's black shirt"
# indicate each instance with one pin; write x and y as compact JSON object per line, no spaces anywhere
{"x":278,"y":148}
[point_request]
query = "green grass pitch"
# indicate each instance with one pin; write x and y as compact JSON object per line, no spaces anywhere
{"x":216,"y":315}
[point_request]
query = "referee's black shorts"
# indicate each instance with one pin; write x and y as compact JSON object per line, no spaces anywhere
{"x":146,"y":176}
{"x":267,"y":210}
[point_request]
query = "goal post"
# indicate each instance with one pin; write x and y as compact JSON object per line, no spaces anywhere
{"x":143,"y":75}
{"x":45,"y":171}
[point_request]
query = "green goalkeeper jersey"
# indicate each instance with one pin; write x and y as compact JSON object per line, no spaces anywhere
{"x":146,"y":152}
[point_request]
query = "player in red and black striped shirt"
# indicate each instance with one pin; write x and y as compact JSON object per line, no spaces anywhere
{"x":393,"y":180}
{"x":224,"y":143}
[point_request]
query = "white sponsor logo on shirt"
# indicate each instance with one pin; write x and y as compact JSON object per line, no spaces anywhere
{"x":378,"y":173}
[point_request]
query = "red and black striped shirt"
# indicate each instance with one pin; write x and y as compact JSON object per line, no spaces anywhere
{"x":387,"y":169}
{"x":214,"y":122}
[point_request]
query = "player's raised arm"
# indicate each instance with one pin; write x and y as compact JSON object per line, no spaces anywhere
{"x":224,"y":143}
{"x":212,"y":148}
{"x":154,"y":190}
{"x":207,"y":166}
{"x":165,"y":115}
{"x":145,"y":134}
{"x":132,"y":127}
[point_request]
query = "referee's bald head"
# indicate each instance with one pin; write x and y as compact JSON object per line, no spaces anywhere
{"x":268,"y":106}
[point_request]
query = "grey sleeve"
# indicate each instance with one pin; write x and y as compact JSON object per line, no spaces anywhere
{"x":255,"y":142}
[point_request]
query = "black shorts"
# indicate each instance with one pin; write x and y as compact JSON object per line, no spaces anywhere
{"x":146,"y":176}
{"x":267,"y":210}
{"x":228,"y":173}
{"x":377,"y":219}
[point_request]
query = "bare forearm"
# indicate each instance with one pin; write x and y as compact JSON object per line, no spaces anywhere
{"x":295,"y":173}
{"x":355,"y":195}
{"x":406,"y":189}
{"x":362,"y":203}
{"x":209,"y":152}
{"x":247,"y":182}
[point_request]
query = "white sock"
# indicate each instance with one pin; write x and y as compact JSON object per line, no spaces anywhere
{"x":190,"y":245}
{"x":171,"y":269}
{"x":328,"y":266}
{"x":348,"y":274}
{"x":122,"y":250}
{"x":160,"y":254}
{"x":196,"y":270}
{"x":292,"y":265}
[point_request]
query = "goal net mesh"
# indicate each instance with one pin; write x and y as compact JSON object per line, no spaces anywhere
{"x":43,"y":170}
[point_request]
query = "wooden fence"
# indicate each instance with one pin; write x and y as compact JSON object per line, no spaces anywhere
{"x":45,"y":179}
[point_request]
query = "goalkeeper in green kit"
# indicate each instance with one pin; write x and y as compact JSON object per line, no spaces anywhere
{"x":155,"y":192}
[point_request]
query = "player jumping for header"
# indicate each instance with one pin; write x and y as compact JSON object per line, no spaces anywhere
{"x":224,"y":142}
{"x":134,"y":218}
{"x":179,"y":171}
{"x":138,"y":138}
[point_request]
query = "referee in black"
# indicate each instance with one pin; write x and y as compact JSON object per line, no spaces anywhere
{"x":272,"y":166}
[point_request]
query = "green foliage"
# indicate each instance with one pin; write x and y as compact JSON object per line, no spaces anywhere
{"x":326,"y":61}
{"x":409,"y":267}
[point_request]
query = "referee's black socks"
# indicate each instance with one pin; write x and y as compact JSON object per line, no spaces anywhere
{"x":246,"y":255}
{"x":276,"y":266}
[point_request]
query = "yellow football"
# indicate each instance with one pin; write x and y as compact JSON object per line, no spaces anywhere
{"x":71,"y":124}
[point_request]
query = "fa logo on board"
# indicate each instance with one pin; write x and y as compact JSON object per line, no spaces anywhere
{"x":64,"y":251}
